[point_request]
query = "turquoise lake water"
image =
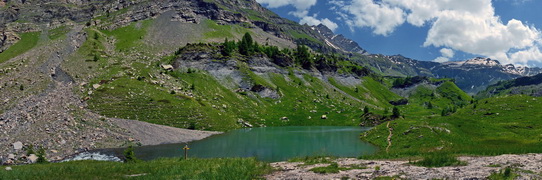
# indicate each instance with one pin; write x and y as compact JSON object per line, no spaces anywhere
{"x":270,"y":144}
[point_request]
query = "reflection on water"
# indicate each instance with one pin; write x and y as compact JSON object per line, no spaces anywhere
{"x":270,"y":144}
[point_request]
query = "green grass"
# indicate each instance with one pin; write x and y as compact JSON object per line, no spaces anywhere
{"x":334,"y":168}
{"x":439,"y":160}
{"x":215,"y":106}
{"x":502,"y":125}
{"x":229,"y":168}
{"x":298,"y":35}
{"x":446,"y":95}
{"x":130,"y":36}
{"x":139,"y":100}
{"x":58,"y":32}
{"x":217,"y":31}
{"x":311,"y":160}
{"x":503,"y":174}
{"x":27,"y":42}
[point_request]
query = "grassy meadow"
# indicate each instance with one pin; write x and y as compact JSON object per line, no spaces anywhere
{"x":228,"y":168}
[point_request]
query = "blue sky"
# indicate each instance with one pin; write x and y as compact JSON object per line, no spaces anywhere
{"x":441,"y":30}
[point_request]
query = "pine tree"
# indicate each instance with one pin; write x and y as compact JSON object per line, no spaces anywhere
{"x":303,"y":56}
{"x":395,"y":112}
{"x":246,"y":45}
{"x":228,"y":48}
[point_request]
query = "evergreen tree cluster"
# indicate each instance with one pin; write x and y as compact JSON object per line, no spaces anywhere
{"x":300,"y":56}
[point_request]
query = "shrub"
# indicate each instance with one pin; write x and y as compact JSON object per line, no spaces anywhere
{"x":129,"y":155}
{"x":429,"y":105}
{"x":332,"y":168}
{"x":30,"y":150}
{"x":395,"y":112}
{"x":41,"y":156}
{"x":505,"y":174}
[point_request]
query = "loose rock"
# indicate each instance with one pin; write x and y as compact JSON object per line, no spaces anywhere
{"x":18,"y":145}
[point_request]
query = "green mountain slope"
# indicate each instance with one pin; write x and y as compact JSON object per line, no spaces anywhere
{"x":523,"y":85}
{"x":486,"y":127}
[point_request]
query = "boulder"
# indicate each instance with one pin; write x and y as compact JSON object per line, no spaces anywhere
{"x":18,"y":145}
{"x":32,"y":159}
{"x":8,"y":169}
{"x":11,"y":156}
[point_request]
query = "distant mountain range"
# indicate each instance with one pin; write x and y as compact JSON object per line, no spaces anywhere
{"x":471,"y":75}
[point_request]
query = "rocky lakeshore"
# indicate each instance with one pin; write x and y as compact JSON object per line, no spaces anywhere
{"x":527,"y":166}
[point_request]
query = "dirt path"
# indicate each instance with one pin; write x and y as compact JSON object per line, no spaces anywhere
{"x":153,"y":134}
{"x":528,"y":166}
{"x":389,"y":136}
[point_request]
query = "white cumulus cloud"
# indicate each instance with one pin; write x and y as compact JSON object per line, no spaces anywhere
{"x":302,"y":11}
{"x":464,"y":25}
{"x":381,"y":17}
{"x":298,"y":4}
{"x":446,"y":55}
{"x":313,"y":21}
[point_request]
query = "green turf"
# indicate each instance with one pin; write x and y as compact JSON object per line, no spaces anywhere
{"x":27,"y":42}
{"x":130,"y":36}
{"x":490,"y":127}
{"x":230,"y":168}
{"x":58,"y":32}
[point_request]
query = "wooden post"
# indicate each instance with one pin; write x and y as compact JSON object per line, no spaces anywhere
{"x":186,"y":151}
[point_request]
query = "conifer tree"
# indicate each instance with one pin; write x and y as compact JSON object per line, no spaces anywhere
{"x":246,"y":45}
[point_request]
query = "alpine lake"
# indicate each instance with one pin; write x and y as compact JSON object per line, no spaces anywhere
{"x":270,"y":144}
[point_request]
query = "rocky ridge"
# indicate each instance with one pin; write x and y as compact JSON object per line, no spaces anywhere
{"x":338,"y":41}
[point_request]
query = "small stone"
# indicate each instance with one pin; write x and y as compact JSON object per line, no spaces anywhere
{"x":324,"y":116}
{"x":32,"y":158}
{"x":11,"y":156}
{"x":18,"y":145}
{"x":8,"y":169}
{"x":96,"y":86}
{"x":167,"y":67}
